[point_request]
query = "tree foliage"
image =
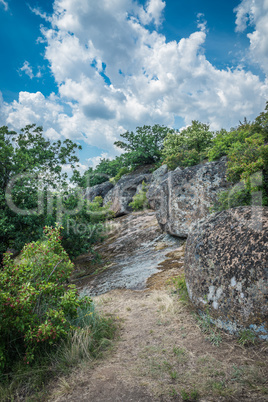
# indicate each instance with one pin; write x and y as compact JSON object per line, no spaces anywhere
{"x":189,"y":147}
{"x":36,"y":167}
{"x":246,"y":148}
{"x":144,"y":146}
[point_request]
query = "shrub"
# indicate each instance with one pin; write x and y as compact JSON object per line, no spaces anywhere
{"x":140,"y":199}
{"x":122,"y":171}
{"x":185,"y":158}
{"x":36,"y":304}
{"x":189,"y":147}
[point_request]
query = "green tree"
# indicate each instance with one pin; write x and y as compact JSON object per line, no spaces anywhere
{"x":189,"y":147}
{"x":143,"y":147}
{"x":246,"y":148}
{"x":39,"y":164}
{"x":105,"y":170}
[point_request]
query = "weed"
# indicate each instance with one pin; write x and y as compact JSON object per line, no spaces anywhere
{"x":174,"y":375}
{"x":178,"y":351}
{"x":181,"y":288}
{"x":173,"y":392}
{"x":214,"y":338}
{"x":189,"y":396}
{"x":246,"y":337}
{"x":205,"y":323}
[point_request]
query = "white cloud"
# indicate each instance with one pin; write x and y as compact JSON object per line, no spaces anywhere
{"x":153,"y":12}
{"x":95,"y":160}
{"x":254,"y":13}
{"x":115,"y":74}
{"x":5,"y":4}
{"x":40,"y":13}
{"x":27,"y":69}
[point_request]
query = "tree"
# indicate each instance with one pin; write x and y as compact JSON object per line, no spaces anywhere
{"x":188,"y":147}
{"x":143,"y":147}
{"x":246,"y":148}
{"x":105,"y":170}
{"x":34,"y":166}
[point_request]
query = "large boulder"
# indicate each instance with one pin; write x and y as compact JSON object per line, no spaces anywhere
{"x":226,"y":268}
{"x":185,"y":196}
{"x":123,"y":192}
{"x":153,"y":188}
{"x":98,"y":190}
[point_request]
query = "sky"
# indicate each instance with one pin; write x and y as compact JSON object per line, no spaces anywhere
{"x":89,"y":70}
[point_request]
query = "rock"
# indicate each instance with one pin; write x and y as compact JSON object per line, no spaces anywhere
{"x":226,"y":268}
{"x":98,"y":190}
{"x":159,"y":173}
{"x":185,"y":196}
{"x":157,"y":177}
{"x":123,"y":192}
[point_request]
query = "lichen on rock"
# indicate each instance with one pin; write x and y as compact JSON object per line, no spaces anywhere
{"x":226,"y":268}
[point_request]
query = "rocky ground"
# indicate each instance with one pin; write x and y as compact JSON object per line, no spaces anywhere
{"x":161,"y":353}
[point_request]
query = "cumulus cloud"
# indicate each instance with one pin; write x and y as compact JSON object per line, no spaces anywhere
{"x":254,"y":13}
{"x":5,"y":4}
{"x":114,"y":74}
{"x":153,"y":12}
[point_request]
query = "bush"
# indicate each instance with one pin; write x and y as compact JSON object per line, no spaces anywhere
{"x":185,"y":158}
{"x":140,"y":199}
{"x":189,"y":147}
{"x":36,"y":305}
{"x":122,"y":171}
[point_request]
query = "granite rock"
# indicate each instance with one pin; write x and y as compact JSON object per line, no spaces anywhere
{"x":185,"y":196}
{"x":226,"y":268}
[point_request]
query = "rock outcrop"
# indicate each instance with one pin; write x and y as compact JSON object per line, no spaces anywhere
{"x":226,"y":268}
{"x":153,"y":188}
{"x":123,"y":192}
{"x":183,"y":197}
{"x":98,"y":190}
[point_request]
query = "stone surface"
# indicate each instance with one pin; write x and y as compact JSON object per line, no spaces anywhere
{"x":157,"y":177}
{"x":98,"y":190}
{"x":183,"y":197}
{"x":135,"y":249}
{"x":226,"y":268}
{"x":123,"y":192}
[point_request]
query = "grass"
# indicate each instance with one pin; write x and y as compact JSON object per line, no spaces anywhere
{"x":246,"y":337}
{"x":190,"y":395}
{"x":205,"y":323}
{"x":181,"y":288}
{"x":94,"y":336}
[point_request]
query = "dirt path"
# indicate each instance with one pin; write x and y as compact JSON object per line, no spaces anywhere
{"x":161,"y":354}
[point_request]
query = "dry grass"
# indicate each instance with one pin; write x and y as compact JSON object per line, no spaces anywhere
{"x":163,"y":353}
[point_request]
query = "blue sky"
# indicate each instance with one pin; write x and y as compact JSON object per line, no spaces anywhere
{"x":89,"y":71}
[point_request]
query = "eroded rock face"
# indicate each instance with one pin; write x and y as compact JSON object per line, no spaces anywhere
{"x":183,"y":197}
{"x":98,"y":190}
{"x":123,"y":192}
{"x":226,"y":268}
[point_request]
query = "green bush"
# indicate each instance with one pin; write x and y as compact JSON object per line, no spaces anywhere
{"x":185,"y":158}
{"x":140,"y":199}
{"x":189,"y":147}
{"x":36,"y":304}
{"x":122,"y":171}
